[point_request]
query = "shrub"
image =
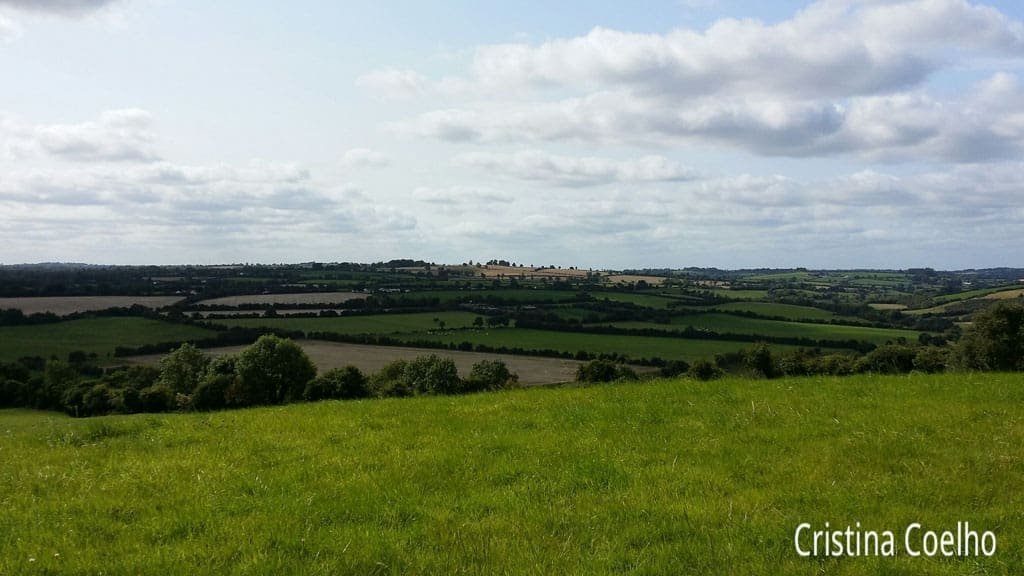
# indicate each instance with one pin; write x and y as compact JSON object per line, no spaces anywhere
{"x":760,"y":361}
{"x":433,"y":374}
{"x":182,"y":369}
{"x":601,"y":370}
{"x":995,"y":341}
{"x":273,"y":370}
{"x":674,"y":368}
{"x":931,"y":359}
{"x":888,"y":359}
{"x":491,"y":375}
{"x":157,"y":398}
{"x":337,"y":384}
{"x":704,"y":370}
{"x":212,"y":393}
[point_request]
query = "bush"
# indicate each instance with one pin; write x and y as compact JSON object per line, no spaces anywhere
{"x":182,"y":369}
{"x":760,"y":361}
{"x":704,"y":370}
{"x":389,"y":381}
{"x":601,"y":370}
{"x":931,"y":359}
{"x":97,"y":400}
{"x":157,"y":398}
{"x":273,"y":370}
{"x":674,"y":368}
{"x":337,"y":384}
{"x":995,"y":341}
{"x":888,"y":359}
{"x":433,"y":374}
{"x":491,"y":375}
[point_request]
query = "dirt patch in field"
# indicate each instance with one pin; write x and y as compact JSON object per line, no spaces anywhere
{"x":270,"y":299}
{"x":327,"y":355}
{"x":64,"y":305}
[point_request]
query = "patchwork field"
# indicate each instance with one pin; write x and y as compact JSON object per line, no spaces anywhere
{"x":376,"y":324}
{"x":270,"y":299}
{"x":369,"y":359}
{"x":633,"y":346}
{"x":727,"y":323}
{"x":64,"y":305}
{"x":670,"y":477}
{"x":91,"y":335}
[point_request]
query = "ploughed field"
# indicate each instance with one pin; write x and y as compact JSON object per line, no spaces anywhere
{"x":666,"y":477}
{"x":64,"y":305}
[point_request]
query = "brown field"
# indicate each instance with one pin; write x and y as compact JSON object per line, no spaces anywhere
{"x":64,"y":305}
{"x":223,"y":313}
{"x":1005,"y":294}
{"x":270,"y":299}
{"x":327,"y":355}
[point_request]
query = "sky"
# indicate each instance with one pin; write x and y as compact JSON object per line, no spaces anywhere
{"x":647,"y":134}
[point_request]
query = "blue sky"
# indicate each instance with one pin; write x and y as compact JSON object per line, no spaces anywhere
{"x":837,"y":133}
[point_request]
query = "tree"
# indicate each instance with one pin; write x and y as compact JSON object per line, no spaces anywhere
{"x":273,"y":370}
{"x":995,"y":341}
{"x":603,"y":371}
{"x":182,"y":369}
{"x":704,"y":370}
{"x":433,"y":374}
{"x":491,"y":375}
{"x":337,"y":384}
{"x":760,"y":361}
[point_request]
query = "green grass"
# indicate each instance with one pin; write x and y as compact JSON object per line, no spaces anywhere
{"x":739,"y":294}
{"x":632,"y":346}
{"x":967,"y":294}
{"x":645,"y":300}
{"x":727,"y":323}
{"x":99,"y":335}
{"x":660,"y":478}
{"x":375,"y":324}
{"x":788,"y":311}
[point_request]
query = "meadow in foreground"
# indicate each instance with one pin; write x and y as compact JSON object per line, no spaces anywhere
{"x":668,"y":477}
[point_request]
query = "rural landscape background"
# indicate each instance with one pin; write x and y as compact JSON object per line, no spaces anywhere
{"x":509,"y":288}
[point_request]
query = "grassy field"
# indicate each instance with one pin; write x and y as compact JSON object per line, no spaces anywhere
{"x":788,"y":311}
{"x":727,"y":323}
{"x":512,"y":295}
{"x":376,"y":324}
{"x":633,"y":346}
{"x":368,"y":358}
{"x":64,"y":305}
{"x":99,"y":335}
{"x":660,"y":478}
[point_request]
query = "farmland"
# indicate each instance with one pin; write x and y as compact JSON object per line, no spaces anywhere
{"x":64,"y":305}
{"x":370,"y":359}
{"x":374,"y":324}
{"x":91,"y":335}
{"x":306,"y":298}
{"x":728,"y":324}
{"x":667,"y":477}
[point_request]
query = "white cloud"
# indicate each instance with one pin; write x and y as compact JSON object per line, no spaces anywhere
{"x":117,"y":135}
{"x":9,"y":29}
{"x":364,"y":158}
{"x":536,"y":165}
{"x":840,"y":77}
{"x":453,"y":195}
{"x":61,"y":7}
{"x":394,"y":84}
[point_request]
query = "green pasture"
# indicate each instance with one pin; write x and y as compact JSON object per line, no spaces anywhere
{"x":727,"y":323}
{"x":370,"y":324}
{"x":668,"y":477}
{"x":91,"y":335}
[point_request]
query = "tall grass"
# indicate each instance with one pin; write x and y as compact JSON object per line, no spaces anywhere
{"x":670,"y":477}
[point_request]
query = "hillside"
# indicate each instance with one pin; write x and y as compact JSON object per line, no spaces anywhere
{"x":669,"y":477}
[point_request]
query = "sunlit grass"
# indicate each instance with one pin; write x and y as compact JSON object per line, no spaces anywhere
{"x":670,"y":477}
